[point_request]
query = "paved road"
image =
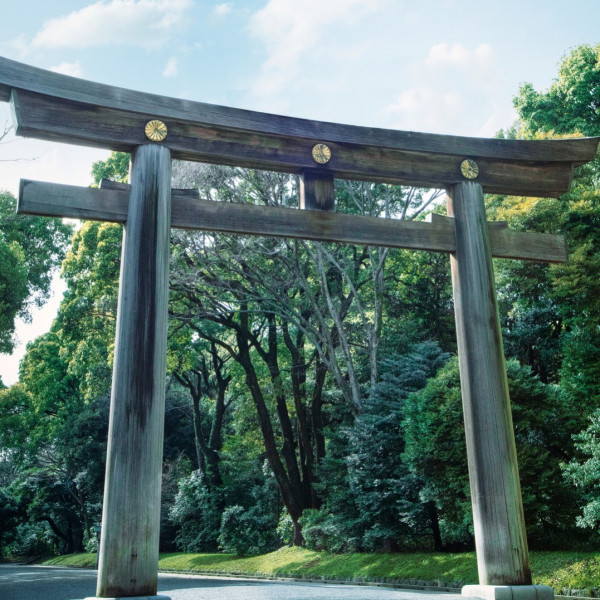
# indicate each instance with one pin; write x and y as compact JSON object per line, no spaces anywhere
{"x":51,"y":583}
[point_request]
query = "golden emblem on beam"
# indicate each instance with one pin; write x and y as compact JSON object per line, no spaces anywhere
{"x":321,"y":153}
{"x":469,"y":169}
{"x":156,"y":130}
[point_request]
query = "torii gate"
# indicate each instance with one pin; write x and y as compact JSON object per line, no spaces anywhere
{"x":49,"y":106}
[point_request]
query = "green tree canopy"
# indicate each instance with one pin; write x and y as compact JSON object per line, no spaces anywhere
{"x":115,"y":168}
{"x":551,"y":313}
{"x":435,"y":450}
{"x":572,"y":104}
{"x":31,"y":248}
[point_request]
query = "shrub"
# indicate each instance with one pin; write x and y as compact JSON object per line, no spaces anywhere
{"x":196,"y":514}
{"x":247,"y":532}
{"x":325,"y":531}
{"x":31,"y":539}
{"x":285,"y":529}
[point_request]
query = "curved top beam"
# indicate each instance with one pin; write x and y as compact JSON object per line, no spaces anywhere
{"x":49,"y":105}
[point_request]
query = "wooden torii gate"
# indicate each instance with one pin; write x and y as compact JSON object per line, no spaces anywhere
{"x":49,"y":106}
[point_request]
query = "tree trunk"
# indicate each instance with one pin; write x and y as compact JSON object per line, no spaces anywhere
{"x":289,"y":495}
{"x":197,"y":421}
{"x":298,"y":377}
{"x":317,"y":407}
{"x":434,"y":523}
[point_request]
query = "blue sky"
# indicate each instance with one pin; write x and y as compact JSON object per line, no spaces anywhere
{"x":442,"y":66}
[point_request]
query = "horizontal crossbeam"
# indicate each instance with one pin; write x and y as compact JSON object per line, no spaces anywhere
{"x":52,"y":106}
{"x":110,"y":202}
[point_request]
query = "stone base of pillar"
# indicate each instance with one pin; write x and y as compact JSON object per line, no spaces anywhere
{"x":133,"y":598}
{"x":509,"y":592}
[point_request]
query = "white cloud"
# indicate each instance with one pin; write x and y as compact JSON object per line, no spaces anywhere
{"x":424,"y":108}
{"x":123,"y":22}
{"x":502,"y":116}
{"x":72,"y":69}
{"x":450,"y":91}
{"x":224,"y":9}
{"x":171,"y":68}
{"x":413,"y":101}
{"x":291,"y":29}
{"x":443,"y":55}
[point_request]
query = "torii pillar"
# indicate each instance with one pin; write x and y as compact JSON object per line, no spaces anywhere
{"x":131,"y":510}
{"x":498,"y":520}
{"x":51,"y":106}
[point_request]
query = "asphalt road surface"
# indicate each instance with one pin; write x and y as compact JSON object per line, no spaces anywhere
{"x":52,"y":583}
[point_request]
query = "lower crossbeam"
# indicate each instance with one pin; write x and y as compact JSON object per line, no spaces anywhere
{"x":189,"y":212}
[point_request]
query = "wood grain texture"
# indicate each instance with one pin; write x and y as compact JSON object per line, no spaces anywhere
{"x":317,"y":191}
{"x":523,"y":245}
{"x":107,"y":203}
{"x":128,"y":564}
{"x":57,"y":120}
{"x":15,"y":75}
{"x":435,"y":218}
{"x":499,"y":525}
{"x":60,"y":108}
{"x":110,"y":204}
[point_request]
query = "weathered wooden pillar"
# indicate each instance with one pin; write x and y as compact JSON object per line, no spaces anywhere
{"x":128,"y":565}
{"x":500,"y":537}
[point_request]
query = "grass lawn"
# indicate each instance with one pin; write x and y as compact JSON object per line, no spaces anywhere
{"x":564,"y":571}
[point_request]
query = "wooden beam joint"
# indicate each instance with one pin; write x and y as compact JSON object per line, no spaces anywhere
{"x":317,"y":191}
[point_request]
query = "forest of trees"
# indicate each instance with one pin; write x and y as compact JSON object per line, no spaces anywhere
{"x":313,"y":392}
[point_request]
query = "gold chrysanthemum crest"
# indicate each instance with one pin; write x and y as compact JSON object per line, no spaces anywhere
{"x":469,"y":169}
{"x":321,"y":153}
{"x":156,"y":130}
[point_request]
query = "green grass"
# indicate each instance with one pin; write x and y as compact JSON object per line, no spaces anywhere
{"x":299,"y":562}
{"x":73,"y":560}
{"x":564,"y":571}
